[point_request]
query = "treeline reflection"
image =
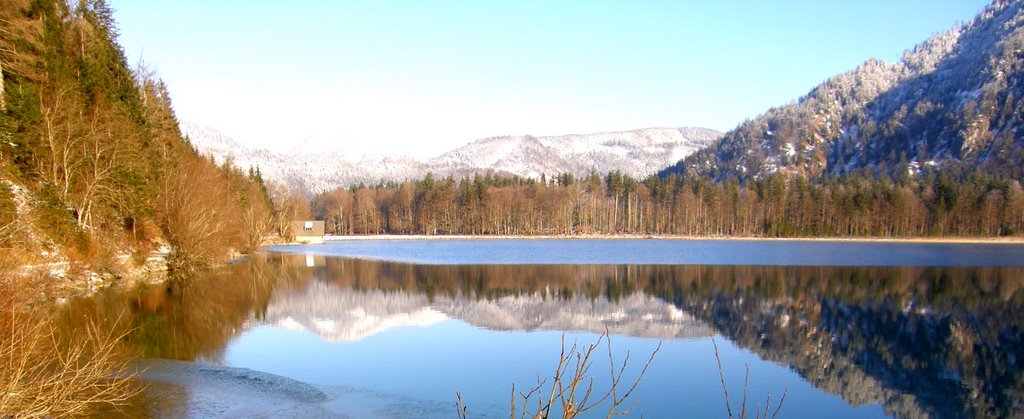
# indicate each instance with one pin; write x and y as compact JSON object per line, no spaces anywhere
{"x":921,"y":341}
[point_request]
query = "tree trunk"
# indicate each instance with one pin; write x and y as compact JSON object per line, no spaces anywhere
{"x":3,"y":104}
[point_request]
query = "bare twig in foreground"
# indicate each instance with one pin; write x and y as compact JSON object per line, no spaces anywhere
{"x":572,"y":391}
{"x":743,"y":407}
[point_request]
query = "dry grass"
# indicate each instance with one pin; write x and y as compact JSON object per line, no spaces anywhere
{"x":43,"y":374}
{"x":571,"y":390}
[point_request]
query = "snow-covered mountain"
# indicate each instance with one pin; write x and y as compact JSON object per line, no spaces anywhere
{"x":306,"y":171}
{"x":957,"y":98}
{"x":638,"y":153}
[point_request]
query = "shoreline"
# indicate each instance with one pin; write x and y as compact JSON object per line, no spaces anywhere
{"x":937,"y":240}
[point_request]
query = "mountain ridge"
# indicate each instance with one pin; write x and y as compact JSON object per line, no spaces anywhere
{"x":954,"y":98}
{"x":638,"y":153}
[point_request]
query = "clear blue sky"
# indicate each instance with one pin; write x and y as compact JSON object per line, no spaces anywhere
{"x":419,"y":77}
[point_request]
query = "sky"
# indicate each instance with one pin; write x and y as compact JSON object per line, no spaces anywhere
{"x":423,"y":77}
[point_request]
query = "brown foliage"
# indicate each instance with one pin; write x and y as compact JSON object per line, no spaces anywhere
{"x":201,"y":215}
{"x":289,"y":206}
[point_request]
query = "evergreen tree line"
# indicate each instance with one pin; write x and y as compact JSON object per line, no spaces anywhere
{"x":949,"y":202}
{"x":96,"y":146}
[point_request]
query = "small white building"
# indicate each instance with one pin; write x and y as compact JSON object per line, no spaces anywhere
{"x":309,"y":232}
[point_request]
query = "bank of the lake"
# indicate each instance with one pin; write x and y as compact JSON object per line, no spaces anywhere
{"x":154,"y":269}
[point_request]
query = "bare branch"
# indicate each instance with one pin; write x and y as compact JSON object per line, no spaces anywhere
{"x":721,"y":374}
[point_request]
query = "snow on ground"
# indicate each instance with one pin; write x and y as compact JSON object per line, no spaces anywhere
{"x":187,"y":389}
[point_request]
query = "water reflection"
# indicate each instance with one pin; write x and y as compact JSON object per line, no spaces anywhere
{"x":919,"y":341}
{"x":345,"y":314}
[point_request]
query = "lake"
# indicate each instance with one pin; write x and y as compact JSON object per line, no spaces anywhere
{"x":849,"y":328}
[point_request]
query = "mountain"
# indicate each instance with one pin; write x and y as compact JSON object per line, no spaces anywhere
{"x":638,"y":153}
{"x":954,"y":99}
{"x":632,"y":152}
{"x":305,"y":171}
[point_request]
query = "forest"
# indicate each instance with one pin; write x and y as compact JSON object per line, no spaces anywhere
{"x":92,"y":162}
{"x":95,"y":177}
{"x":953,"y":201}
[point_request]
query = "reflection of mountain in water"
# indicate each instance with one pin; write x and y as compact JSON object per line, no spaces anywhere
{"x":945,"y":342}
{"x":344,"y":314}
{"x":923,"y":342}
{"x":920,"y":341}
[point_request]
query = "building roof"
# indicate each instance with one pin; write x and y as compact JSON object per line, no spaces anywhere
{"x":308,"y":228}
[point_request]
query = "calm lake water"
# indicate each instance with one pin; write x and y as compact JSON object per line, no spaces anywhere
{"x":852,"y":329}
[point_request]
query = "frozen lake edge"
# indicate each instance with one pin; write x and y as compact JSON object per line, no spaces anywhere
{"x":193,"y":389}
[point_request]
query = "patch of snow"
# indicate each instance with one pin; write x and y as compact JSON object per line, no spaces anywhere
{"x":188,"y":389}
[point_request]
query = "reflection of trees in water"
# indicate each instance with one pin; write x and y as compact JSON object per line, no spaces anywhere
{"x":484,"y":281}
{"x":185,"y":318}
{"x":922,"y":341}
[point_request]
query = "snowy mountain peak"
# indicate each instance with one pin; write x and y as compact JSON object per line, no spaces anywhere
{"x":954,"y":99}
{"x":638,"y":153}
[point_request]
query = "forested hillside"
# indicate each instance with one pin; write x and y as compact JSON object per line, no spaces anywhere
{"x":94,"y":173}
{"x":956,"y":99}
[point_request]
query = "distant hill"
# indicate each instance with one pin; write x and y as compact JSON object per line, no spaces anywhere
{"x":307,"y":172}
{"x":955,"y":98}
{"x":638,"y":153}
